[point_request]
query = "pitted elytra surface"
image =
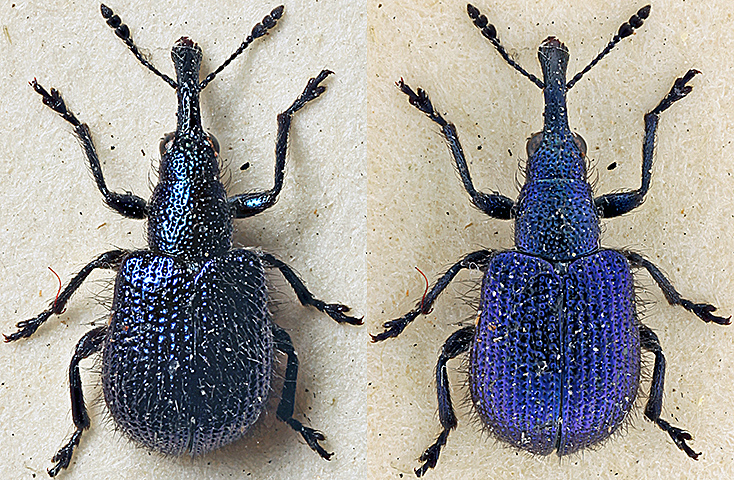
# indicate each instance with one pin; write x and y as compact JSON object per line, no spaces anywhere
{"x":555,"y":355}
{"x":584,"y":370}
{"x":168,"y":334}
{"x":187,"y":357}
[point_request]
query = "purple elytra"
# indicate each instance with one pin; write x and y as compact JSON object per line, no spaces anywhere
{"x":555,"y":354}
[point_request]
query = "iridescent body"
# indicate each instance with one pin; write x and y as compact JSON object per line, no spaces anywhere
{"x":555,"y":361}
{"x":188,"y":303}
{"x":188,"y":354}
{"x":555,"y":354}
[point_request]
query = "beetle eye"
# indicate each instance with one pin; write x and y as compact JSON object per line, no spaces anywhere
{"x":166,"y":142}
{"x":213,"y":140}
{"x":533,"y":143}
{"x":580,"y":142}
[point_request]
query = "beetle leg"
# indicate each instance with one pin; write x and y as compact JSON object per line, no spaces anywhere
{"x":654,"y":405}
{"x":125,"y":204}
{"x":615,"y":204}
{"x":89,"y":344}
{"x":458,"y":343}
{"x":288,"y":396}
{"x":26,"y":328}
{"x":493,"y":204}
{"x":701,"y":310}
{"x":393,"y":328}
{"x":334,"y":310}
{"x":249,"y":204}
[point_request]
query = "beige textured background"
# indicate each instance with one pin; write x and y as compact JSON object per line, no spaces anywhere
{"x":370,"y":193}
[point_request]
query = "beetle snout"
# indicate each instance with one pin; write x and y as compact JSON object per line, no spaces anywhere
{"x":186,"y":52}
{"x":553,"y":56}
{"x":553,"y":51}
{"x":553,"y":42}
{"x":185,"y":43}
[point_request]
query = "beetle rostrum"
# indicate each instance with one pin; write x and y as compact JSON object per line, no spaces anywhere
{"x":555,"y":354}
{"x":188,"y":354}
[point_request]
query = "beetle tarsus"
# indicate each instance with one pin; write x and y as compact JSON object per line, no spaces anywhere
{"x":557,"y":232}
{"x":393,"y":328}
{"x":679,"y":437}
{"x":63,"y":456}
{"x":422,"y":102}
{"x":430,"y":456}
{"x":312,"y":438}
{"x":249,"y":204}
{"x":55,"y":102}
{"x":336,"y":311}
{"x":458,"y":343}
{"x":126,"y":204}
{"x":89,"y":344}
{"x":493,"y":204}
{"x":703,"y":311}
{"x":287,"y":398}
{"x":312,"y":91}
{"x":679,"y":90}
{"x":188,"y":272}
{"x":26,"y":328}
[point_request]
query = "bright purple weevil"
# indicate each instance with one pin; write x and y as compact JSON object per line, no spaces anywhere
{"x":555,"y":354}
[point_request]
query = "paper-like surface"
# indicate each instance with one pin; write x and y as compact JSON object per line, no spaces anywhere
{"x":370,"y":193}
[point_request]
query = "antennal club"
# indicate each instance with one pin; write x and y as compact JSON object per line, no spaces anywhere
{"x":257,"y":31}
{"x":625,"y":30}
{"x":122,"y":31}
{"x":490,"y":33}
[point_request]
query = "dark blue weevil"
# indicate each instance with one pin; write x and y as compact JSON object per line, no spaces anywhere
{"x":187,"y":356}
{"x":555,"y":352}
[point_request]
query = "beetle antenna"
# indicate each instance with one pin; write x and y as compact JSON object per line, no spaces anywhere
{"x":490,"y":33}
{"x":625,"y":30}
{"x":122,"y":31}
{"x":257,"y":31}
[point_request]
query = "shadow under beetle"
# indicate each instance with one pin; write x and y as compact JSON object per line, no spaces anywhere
{"x":187,"y":356}
{"x":555,"y":353}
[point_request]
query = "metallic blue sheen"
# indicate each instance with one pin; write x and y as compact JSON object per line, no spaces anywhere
{"x":188,"y":214}
{"x":187,"y":355}
{"x":555,"y":216}
{"x":187,"y":362}
{"x":556,"y":219}
{"x":555,"y":353}
{"x":170,"y":323}
{"x":555,"y":362}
